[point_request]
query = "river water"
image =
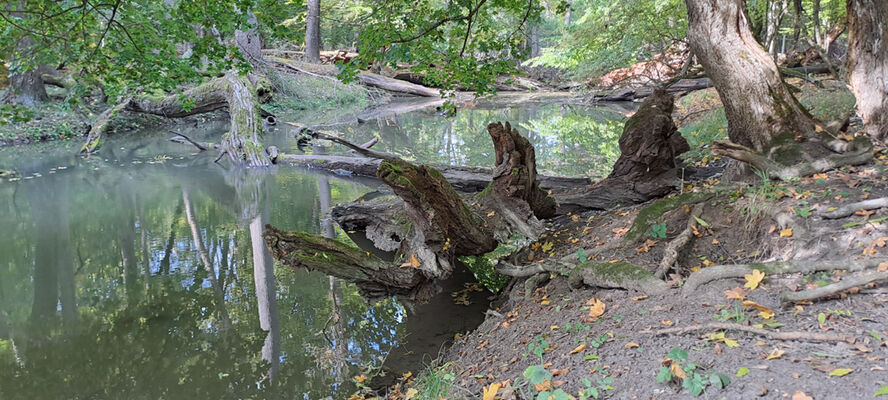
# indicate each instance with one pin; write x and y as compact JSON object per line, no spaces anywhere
{"x":140,"y":273}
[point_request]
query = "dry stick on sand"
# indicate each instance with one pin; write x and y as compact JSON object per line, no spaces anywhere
{"x":670,"y":255}
{"x":809,"y":336}
{"x":844,"y":284}
{"x":850,"y":209}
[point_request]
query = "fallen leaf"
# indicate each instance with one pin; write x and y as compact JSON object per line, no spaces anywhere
{"x":492,"y":213}
{"x":714,"y":241}
{"x":753,"y":279}
{"x":677,"y":371}
{"x":619,"y":232}
{"x":736,"y":293}
{"x":414,"y":262}
{"x":631,"y":345}
{"x":578,"y":349}
{"x":786,"y":232}
{"x":775,"y":354}
{"x":840,"y":372}
{"x":742,"y":372}
{"x":640,"y":298}
{"x":820,"y":176}
{"x":800,"y":395}
{"x":882,"y":267}
{"x":411,"y":393}
{"x":360,"y":378}
{"x":596,"y":308}
{"x":575,"y":218}
{"x":556,"y":372}
{"x":666,"y":322}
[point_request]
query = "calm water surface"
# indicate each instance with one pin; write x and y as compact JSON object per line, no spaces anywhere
{"x":140,"y":273}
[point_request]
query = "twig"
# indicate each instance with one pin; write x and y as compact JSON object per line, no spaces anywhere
{"x":834,"y":288}
{"x":196,"y":144}
{"x":670,"y":255}
{"x":809,"y":336}
{"x":219,"y":157}
{"x":850,"y":209}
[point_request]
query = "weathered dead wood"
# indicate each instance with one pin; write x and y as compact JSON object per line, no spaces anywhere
{"x":846,"y":283}
{"x":240,"y":94}
{"x":395,"y":85}
{"x":514,"y":174}
{"x":647,"y":167}
{"x":374,"y":277}
{"x":726,"y":326}
{"x":464,"y":179}
{"x":849,"y":209}
{"x":706,"y":275}
{"x":671,"y":253}
{"x":861,"y":153}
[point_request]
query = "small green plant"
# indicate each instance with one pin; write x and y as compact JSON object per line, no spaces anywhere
{"x":600,"y":340}
{"x":538,"y":347}
{"x":576,"y":327}
{"x":691,"y":376}
{"x":581,"y":255}
{"x":594,"y":392}
{"x":735,"y":314}
{"x":658,"y":231}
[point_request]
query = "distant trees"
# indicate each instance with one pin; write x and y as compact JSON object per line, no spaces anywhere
{"x":313,"y":32}
{"x":868,"y":63}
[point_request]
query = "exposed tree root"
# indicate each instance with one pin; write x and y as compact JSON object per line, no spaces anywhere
{"x":806,"y":336}
{"x":849,"y":209}
{"x":861,"y":153}
{"x":828,"y":290}
{"x":671,"y":253}
{"x":706,"y":275}
{"x":532,"y":283}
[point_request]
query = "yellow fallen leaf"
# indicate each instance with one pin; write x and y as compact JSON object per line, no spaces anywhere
{"x":820,"y":176}
{"x":753,"y":279}
{"x":492,"y":213}
{"x":544,"y":302}
{"x":752,"y":304}
{"x":766,"y":314}
{"x":360,"y":378}
{"x":578,"y":349}
{"x":553,"y":328}
{"x":786,"y":232}
{"x":775,"y":354}
{"x":640,"y":298}
{"x":545,"y":386}
{"x":707,"y":263}
{"x":631,"y":345}
{"x":575,"y":218}
{"x":491,"y":390}
{"x":731,"y":342}
{"x":411,"y":393}
{"x":841,"y":372}
{"x":666,"y":322}
{"x":596,"y":307}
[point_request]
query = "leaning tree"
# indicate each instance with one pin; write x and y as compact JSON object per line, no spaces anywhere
{"x":767,"y":127}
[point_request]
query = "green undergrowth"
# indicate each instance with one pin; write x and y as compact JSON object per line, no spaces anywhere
{"x":701,"y":120}
{"x":827,"y":104}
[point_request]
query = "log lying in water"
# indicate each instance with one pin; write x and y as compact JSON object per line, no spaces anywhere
{"x":463,"y":179}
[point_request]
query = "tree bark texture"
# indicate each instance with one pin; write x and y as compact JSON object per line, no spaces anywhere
{"x":25,"y":87}
{"x":868,"y":63}
{"x":758,"y":104}
{"x":313,"y":32}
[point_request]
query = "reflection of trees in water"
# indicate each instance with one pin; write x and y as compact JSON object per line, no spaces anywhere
{"x":568,"y":139}
{"x":133,"y":334}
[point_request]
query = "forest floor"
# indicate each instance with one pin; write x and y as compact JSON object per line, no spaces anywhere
{"x":619,"y":352}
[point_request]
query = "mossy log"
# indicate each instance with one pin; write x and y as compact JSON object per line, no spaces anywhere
{"x":374,"y":277}
{"x":239,"y":93}
{"x":647,"y":167}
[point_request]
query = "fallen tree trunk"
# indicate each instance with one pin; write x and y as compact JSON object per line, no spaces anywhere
{"x":395,"y":85}
{"x":690,"y":85}
{"x":240,"y":94}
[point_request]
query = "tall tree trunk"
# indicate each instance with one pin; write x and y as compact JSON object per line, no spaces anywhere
{"x":797,"y":23}
{"x":534,"y":40}
{"x":818,"y":28}
{"x":758,"y":104}
{"x":868,"y":63}
{"x":313,"y":32}
{"x":25,"y":87}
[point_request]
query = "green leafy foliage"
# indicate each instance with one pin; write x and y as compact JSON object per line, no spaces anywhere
{"x":692,"y":377}
{"x":658,"y":231}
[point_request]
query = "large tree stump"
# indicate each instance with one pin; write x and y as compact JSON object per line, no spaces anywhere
{"x":647,"y":167}
{"x":515,"y":174}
